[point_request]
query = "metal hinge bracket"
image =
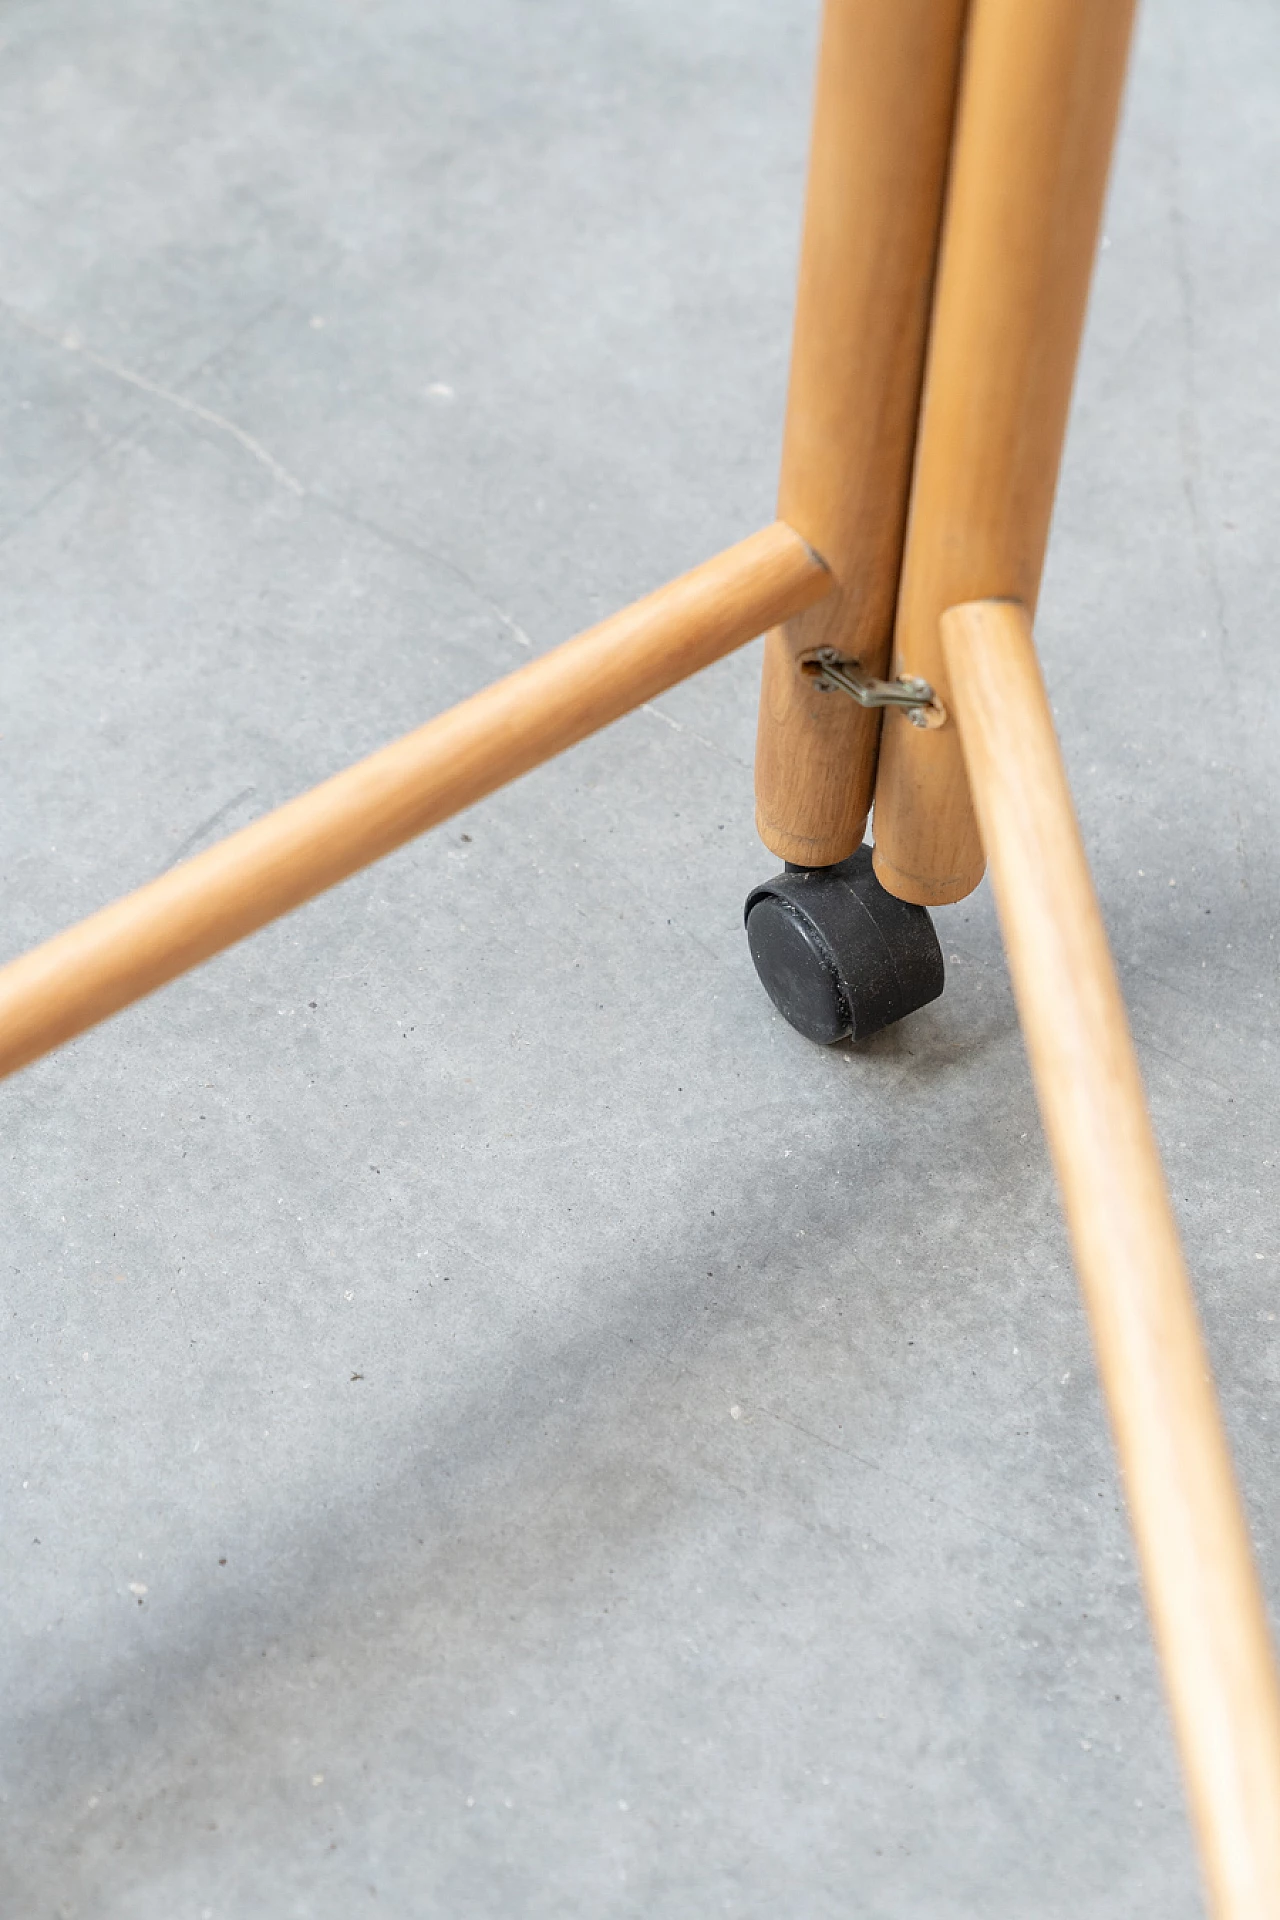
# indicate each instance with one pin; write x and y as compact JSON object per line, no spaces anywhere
{"x":916,"y":698}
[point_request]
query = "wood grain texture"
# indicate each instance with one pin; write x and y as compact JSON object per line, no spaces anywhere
{"x":130,"y":948}
{"x":886,"y":85}
{"x":1206,"y":1605}
{"x":1038,"y":104}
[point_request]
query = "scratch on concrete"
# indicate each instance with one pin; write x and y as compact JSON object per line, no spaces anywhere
{"x":981,"y":1521}
{"x":72,"y":342}
{"x":513,"y":627}
{"x":678,"y":726}
{"x":197,"y":834}
{"x":421,"y":552}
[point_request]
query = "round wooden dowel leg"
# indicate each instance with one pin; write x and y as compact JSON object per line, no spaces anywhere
{"x":230,"y":890}
{"x":1206,"y":1605}
{"x":881,"y":134}
{"x":1038,"y":104}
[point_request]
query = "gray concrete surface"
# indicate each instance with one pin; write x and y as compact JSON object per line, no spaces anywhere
{"x":496,"y":1425}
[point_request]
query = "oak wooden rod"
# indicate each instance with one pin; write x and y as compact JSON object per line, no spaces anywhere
{"x":209,"y":902}
{"x":1202,"y":1589}
{"x":883,"y":108}
{"x":1039,"y":98}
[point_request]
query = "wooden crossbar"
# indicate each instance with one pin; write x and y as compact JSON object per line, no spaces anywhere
{"x":132,"y":947}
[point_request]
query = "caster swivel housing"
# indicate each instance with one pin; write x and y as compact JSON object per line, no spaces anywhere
{"x":838,"y":955}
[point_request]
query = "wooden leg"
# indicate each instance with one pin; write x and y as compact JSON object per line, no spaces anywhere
{"x":1206,"y":1606}
{"x":881,"y":135}
{"x":1038,"y":105}
{"x":128,"y":949}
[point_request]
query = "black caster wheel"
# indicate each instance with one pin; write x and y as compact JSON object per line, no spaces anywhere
{"x":838,"y":956}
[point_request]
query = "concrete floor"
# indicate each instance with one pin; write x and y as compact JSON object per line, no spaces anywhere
{"x":497,"y":1424}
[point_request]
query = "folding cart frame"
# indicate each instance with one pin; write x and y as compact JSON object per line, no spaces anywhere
{"x":959,"y":162}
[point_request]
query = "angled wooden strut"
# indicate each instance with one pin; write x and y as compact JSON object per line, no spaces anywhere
{"x":132,"y":947}
{"x":1206,"y":1605}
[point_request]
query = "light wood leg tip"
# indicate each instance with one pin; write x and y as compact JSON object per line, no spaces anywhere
{"x":799,"y":850}
{"x":925,"y":890}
